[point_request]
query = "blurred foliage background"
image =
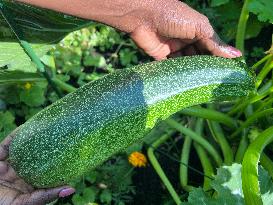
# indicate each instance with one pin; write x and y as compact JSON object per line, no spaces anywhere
{"x":92,"y":52}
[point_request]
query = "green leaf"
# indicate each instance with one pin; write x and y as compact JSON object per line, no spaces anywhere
{"x":121,"y":178}
{"x":254,"y":27}
{"x":214,"y":3}
{"x":89,"y":194}
{"x":35,"y":96}
{"x":6,"y":118}
{"x":198,"y":196}
{"x":228,"y":185}
{"x":106,"y":196}
{"x":32,"y":111}
{"x":49,"y":61}
{"x":127,"y":56}
{"x":7,"y":124}
{"x":38,"y":25}
{"x":14,"y":77}
{"x":15,"y":58}
{"x":96,"y":60}
{"x":226,"y":19}
{"x":262,"y":8}
{"x":91,"y":176}
{"x":78,"y":200}
{"x":134,"y":147}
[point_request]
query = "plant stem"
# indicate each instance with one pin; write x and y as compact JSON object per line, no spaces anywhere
{"x":52,"y":84}
{"x":250,"y":120}
{"x":267,"y":163}
{"x":241,"y":29}
{"x":256,"y":65}
{"x":206,"y":164}
{"x":159,"y":169}
{"x":199,"y":139}
{"x":64,"y":86}
{"x":248,"y":111}
{"x":267,"y":86}
{"x":265,"y":70}
{"x":255,"y":98}
{"x":183,"y":168}
{"x":218,"y":134}
{"x":210,"y":114}
{"x":241,"y":149}
{"x":250,"y":181}
{"x":265,"y":103}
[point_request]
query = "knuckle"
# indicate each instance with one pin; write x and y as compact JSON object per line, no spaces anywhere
{"x":204,"y":19}
{"x":204,"y":28}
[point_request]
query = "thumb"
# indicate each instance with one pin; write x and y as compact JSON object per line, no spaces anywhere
{"x":44,"y":196}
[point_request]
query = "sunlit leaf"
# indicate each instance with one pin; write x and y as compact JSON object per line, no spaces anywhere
{"x":262,"y":8}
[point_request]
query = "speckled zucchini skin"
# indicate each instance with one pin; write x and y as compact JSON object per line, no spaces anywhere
{"x":83,"y":129}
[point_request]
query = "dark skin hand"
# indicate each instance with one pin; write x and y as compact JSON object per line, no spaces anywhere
{"x":161,"y":28}
{"x":14,"y":191}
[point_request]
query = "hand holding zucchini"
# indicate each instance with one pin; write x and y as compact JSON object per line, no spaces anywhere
{"x":86,"y":127}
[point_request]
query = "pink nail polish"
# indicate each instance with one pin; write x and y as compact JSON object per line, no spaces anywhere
{"x":66,"y":192}
{"x":234,"y":51}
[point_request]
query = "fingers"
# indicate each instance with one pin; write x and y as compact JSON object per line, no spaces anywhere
{"x":9,"y":178}
{"x":7,"y":173}
{"x":151,"y":43}
{"x":178,"y":20}
{"x":216,"y":47}
{"x":4,"y":146}
{"x":155,"y":45}
{"x":44,"y":196}
{"x":210,"y":42}
{"x":182,"y":22}
{"x":3,"y":168}
{"x":176,"y":45}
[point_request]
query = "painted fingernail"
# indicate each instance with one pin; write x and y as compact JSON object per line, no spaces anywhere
{"x":234,"y":51}
{"x":66,"y":192}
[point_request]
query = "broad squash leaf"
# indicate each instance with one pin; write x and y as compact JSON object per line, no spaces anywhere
{"x":228,"y":187}
{"x":40,"y":27}
{"x":262,"y":8}
{"x":15,"y":58}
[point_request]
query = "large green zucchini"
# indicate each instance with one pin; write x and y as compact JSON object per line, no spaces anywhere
{"x":86,"y":127}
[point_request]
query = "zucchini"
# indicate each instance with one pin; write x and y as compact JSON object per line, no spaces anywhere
{"x":83,"y":129}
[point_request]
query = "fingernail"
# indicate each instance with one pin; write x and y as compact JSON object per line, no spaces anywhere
{"x":66,"y":192}
{"x":234,"y":51}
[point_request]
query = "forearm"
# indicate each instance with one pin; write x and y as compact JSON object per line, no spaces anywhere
{"x":159,"y":27}
{"x":117,"y":13}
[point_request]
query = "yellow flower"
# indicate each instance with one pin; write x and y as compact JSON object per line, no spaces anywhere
{"x":137,"y":159}
{"x":27,"y":86}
